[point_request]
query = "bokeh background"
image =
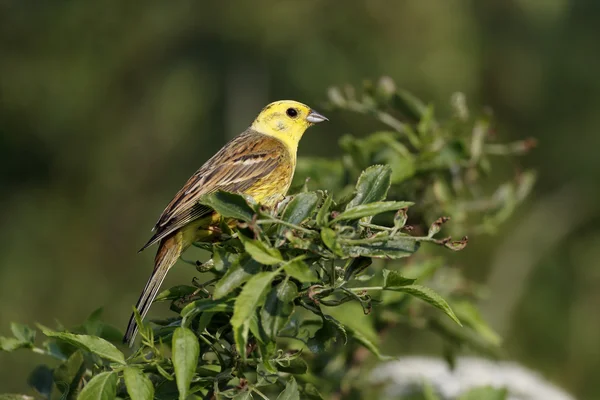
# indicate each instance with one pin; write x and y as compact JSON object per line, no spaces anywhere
{"x":107,"y":107}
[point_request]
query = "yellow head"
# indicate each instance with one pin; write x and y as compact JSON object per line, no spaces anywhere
{"x":286,"y":120}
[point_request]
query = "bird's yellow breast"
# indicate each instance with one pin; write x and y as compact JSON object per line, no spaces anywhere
{"x":273,"y":187}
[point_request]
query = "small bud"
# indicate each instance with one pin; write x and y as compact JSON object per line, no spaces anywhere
{"x":400,"y":218}
{"x":386,"y":87}
{"x":459,"y":103}
{"x":457,"y":245}
{"x":437,"y":225}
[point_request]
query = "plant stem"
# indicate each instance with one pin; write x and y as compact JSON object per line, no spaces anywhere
{"x":272,"y":220}
{"x":362,"y":289}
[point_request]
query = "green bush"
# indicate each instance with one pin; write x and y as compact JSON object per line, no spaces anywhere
{"x":291,"y":298}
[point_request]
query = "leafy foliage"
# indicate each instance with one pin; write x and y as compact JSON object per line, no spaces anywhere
{"x":276,"y":313}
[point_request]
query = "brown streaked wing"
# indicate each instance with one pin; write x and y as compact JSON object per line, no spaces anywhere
{"x":235,"y":168}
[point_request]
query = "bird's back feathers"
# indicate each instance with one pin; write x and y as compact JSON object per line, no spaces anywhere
{"x":237,"y":167}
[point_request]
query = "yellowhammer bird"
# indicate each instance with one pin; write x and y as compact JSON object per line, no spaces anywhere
{"x":260,"y":163}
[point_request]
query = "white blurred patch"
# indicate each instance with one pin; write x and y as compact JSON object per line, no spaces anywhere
{"x":408,"y":374}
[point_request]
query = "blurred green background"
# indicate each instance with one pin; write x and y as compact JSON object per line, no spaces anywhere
{"x":107,"y":107}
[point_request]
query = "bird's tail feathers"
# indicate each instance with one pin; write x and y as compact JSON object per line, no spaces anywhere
{"x":167,"y":255}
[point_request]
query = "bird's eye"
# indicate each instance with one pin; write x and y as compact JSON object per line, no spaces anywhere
{"x":291,"y":112}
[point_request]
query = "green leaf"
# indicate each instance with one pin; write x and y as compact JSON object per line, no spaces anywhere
{"x":311,"y":392}
{"x":429,"y":296}
{"x":223,"y":258}
{"x":291,"y":390}
{"x":471,"y":317}
{"x":174,"y":293}
{"x":369,"y":344}
{"x":395,"y":279}
{"x":138,"y":385}
{"x":261,"y":252}
{"x":10,"y":396}
{"x":485,"y":393}
{"x":22,"y":332}
{"x":246,"y":395}
{"x":371,"y":209}
{"x":299,"y":209}
{"x":392,"y":248}
{"x":372,"y":186}
{"x":70,"y":373}
{"x":237,"y":274}
{"x":298,"y":269}
{"x":247,"y":302}
{"x":296,"y":366}
{"x":331,"y":331}
{"x":101,"y":387}
{"x":323,"y":214}
{"x":278,"y":308}
{"x":185,"y":359}
{"x":329,"y":238}
{"x":258,"y":331}
{"x":88,"y":343}
{"x":11,"y":344}
{"x":41,"y":380}
{"x":229,"y":205}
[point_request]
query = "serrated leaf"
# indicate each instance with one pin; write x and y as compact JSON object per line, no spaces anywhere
{"x":395,"y":279}
{"x":298,"y":269}
{"x":329,"y":238}
{"x":101,"y":387}
{"x":291,"y":390}
{"x":261,"y":252}
{"x":22,"y":332}
{"x":392,"y":248}
{"x":237,"y":274}
{"x":88,"y":343}
{"x":175,"y":292}
{"x":372,"y":185}
{"x":229,"y":205}
{"x":41,"y":380}
{"x":428,"y":295}
{"x":247,"y":302}
{"x":371,"y":209}
{"x":299,"y":209}
{"x":278,"y":308}
{"x":139,"y":386}
{"x":185,"y":359}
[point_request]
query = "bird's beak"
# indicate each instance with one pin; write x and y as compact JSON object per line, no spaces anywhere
{"x":314,"y":117}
